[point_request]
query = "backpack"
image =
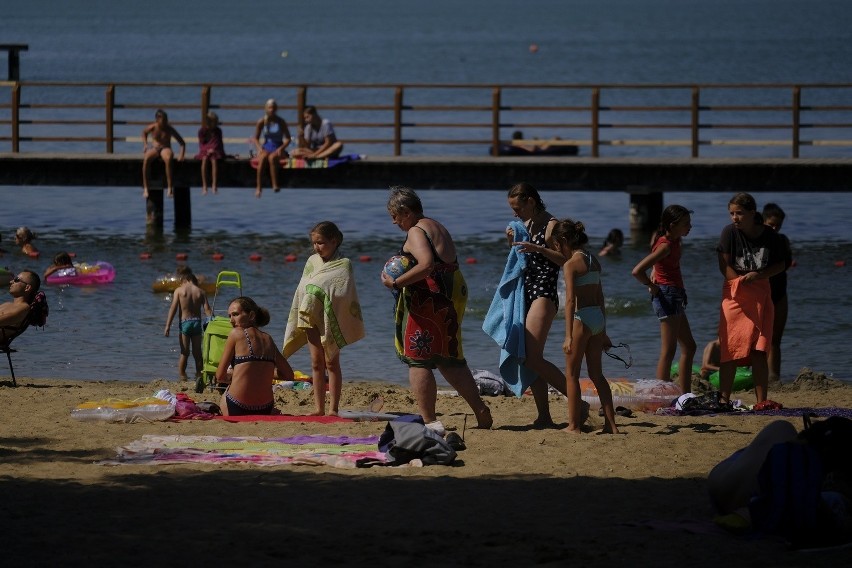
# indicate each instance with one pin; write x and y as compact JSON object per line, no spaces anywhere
{"x":39,"y":310}
{"x":790,"y":498}
{"x":404,"y":441}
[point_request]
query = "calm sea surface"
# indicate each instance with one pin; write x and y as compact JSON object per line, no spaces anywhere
{"x":115,"y":331}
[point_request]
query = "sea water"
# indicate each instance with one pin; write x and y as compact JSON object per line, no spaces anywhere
{"x":115,"y":331}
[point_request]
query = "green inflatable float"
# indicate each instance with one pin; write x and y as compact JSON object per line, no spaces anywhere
{"x":742,"y":378}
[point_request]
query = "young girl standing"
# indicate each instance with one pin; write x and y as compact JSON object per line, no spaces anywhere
{"x":325,"y":314}
{"x":668,"y":294}
{"x":750,"y":253}
{"x":585,"y":322}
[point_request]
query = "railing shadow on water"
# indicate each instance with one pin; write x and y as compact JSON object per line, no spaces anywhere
{"x":608,"y":120}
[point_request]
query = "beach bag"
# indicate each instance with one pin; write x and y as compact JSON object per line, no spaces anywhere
{"x":788,"y":500}
{"x":404,"y":441}
{"x":39,"y":310}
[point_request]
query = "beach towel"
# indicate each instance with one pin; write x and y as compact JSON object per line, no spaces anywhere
{"x":335,"y":451}
{"x":428,"y":319}
{"x":504,"y":322}
{"x":312,"y":163}
{"x":745,"y":319}
{"x":326,"y":299}
{"x":284,"y":418}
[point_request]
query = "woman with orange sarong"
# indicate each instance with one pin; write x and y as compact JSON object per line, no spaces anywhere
{"x":749,"y":254}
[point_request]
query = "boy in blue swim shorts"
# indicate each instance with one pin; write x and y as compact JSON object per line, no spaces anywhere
{"x":188,"y":302}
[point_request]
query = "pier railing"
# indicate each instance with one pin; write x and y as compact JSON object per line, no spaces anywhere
{"x":608,"y":120}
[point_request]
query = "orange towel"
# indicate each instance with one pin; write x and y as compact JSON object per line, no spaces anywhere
{"x":745,"y":319}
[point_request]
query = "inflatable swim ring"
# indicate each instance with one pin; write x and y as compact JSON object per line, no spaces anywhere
{"x":169,"y":282}
{"x":742,"y":378}
{"x":118,"y":410}
{"x":84,"y":274}
{"x":646,"y":395}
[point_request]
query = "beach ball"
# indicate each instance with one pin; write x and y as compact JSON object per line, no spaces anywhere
{"x":398,"y":265}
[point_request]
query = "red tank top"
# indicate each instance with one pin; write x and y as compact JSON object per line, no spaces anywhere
{"x":667,"y":270}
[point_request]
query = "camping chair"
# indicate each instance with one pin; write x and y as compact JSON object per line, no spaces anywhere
{"x":36,"y":316}
{"x":216,"y":333}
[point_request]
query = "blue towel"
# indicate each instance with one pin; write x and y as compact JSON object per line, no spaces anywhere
{"x":504,"y":322}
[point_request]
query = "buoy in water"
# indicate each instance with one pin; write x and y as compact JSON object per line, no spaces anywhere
{"x":181,"y":256}
{"x":471,"y":260}
{"x":33,"y":254}
{"x":255,"y":257}
{"x":365,"y":258}
{"x":145,"y":256}
{"x":840,"y":263}
{"x":533,"y":48}
{"x":218,"y":256}
{"x":291,"y":258}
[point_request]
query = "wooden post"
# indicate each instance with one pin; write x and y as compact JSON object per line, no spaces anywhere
{"x":695,"y":122}
{"x":797,"y":106}
{"x":16,"y":119}
{"x":646,"y":208}
{"x":495,"y":121}
{"x":596,"y":109}
{"x":205,"y":103}
{"x":110,"y":125}
{"x":183,"y":207}
{"x":14,"y":61}
{"x":301,"y":103}
{"x":397,"y":122}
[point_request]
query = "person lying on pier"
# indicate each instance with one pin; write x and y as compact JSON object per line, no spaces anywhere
{"x":211,"y":148}
{"x":161,"y":133}
{"x":276,"y":138}
{"x":317,"y":138}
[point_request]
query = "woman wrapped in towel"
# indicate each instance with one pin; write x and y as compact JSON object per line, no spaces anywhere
{"x":429,"y":310}
{"x":325,"y":314}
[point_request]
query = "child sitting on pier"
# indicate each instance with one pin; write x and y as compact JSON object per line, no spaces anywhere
{"x":211,"y":148}
{"x":161,"y":145}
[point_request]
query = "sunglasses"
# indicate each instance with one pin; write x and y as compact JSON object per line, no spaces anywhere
{"x":628,"y":362}
{"x":19,"y":279}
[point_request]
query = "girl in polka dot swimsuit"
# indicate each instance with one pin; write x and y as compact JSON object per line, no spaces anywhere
{"x":542,"y":302}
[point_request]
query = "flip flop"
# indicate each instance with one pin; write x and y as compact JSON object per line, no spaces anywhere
{"x":619,"y":411}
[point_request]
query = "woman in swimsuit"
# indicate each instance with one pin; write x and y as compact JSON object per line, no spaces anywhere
{"x":429,"y":310}
{"x":585,"y":322}
{"x":542,"y":300}
{"x":276,"y":138}
{"x":254,"y":358}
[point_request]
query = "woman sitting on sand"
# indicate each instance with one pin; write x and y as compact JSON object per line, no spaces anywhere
{"x":254,"y":358}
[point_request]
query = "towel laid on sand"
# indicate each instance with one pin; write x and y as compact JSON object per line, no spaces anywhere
{"x":745,"y":319}
{"x":504,"y":322}
{"x":336,"y":451}
{"x":326,"y":299}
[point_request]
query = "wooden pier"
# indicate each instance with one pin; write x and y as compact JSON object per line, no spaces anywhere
{"x":644,"y":180}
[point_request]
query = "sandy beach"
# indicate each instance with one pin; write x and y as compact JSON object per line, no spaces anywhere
{"x":516,"y":496}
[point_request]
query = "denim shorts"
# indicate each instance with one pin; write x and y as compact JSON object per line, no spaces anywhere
{"x":671,"y":301}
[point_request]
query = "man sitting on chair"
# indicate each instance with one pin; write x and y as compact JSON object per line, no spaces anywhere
{"x":23,"y":289}
{"x":317,"y":138}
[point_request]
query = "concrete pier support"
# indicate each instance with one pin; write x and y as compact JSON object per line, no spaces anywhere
{"x":646,"y":208}
{"x":183,"y":208}
{"x":155,"y":203}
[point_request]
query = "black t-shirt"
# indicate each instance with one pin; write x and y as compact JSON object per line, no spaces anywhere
{"x":749,"y":255}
